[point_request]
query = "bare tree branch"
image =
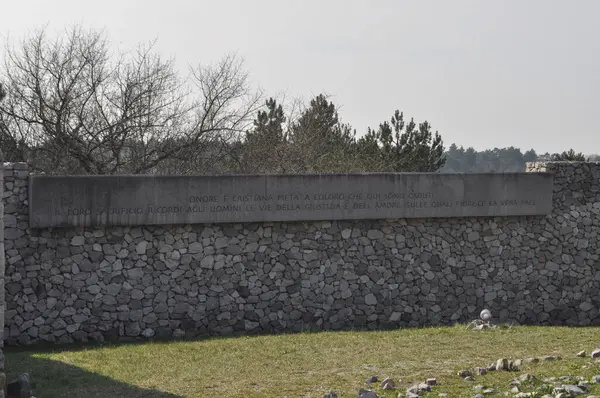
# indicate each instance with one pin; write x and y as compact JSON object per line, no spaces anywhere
{"x":75,"y":107}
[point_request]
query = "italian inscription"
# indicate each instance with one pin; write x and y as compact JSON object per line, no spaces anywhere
{"x":82,"y":201}
{"x":220,"y":204}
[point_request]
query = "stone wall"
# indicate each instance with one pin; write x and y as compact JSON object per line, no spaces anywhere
{"x":71,"y":284}
{"x":2,"y":268}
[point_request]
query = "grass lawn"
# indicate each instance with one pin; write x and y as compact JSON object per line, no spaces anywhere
{"x":301,"y":365}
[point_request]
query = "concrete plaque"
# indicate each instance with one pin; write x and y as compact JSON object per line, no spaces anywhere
{"x":155,"y":200}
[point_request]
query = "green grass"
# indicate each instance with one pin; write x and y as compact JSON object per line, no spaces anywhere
{"x":301,"y":365}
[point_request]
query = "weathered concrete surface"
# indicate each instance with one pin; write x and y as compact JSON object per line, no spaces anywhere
{"x":145,"y":200}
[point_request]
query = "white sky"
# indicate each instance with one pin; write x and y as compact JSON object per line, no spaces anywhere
{"x":486,"y":74}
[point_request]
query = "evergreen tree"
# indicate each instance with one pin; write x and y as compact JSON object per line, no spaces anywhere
{"x":321,"y":141}
{"x":530,"y":156}
{"x":568,"y":156}
{"x":268,"y":125}
{"x":403,"y":147}
{"x":263,"y":149}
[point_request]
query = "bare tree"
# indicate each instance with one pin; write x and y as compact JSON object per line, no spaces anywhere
{"x":74,"y":107}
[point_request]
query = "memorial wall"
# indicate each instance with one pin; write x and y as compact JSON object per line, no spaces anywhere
{"x":88,"y":201}
{"x":125,"y":257}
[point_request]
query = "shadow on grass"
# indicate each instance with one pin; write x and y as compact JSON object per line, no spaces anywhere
{"x":54,"y":379}
{"x":48,"y":348}
{"x":51,"y":378}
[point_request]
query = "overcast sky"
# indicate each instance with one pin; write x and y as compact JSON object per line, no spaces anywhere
{"x":487,"y":74}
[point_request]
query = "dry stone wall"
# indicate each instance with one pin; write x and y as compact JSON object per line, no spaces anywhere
{"x":2,"y":268}
{"x":76,"y":284}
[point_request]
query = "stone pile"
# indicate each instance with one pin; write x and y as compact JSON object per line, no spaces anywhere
{"x":388,"y":384}
{"x":552,"y":387}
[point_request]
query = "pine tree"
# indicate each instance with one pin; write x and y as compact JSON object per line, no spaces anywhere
{"x":403,"y":147}
{"x":263,"y":149}
{"x":568,"y":156}
{"x":268,"y":125}
{"x":323,"y":143}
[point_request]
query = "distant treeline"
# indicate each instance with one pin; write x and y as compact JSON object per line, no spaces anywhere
{"x":461,"y":160}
